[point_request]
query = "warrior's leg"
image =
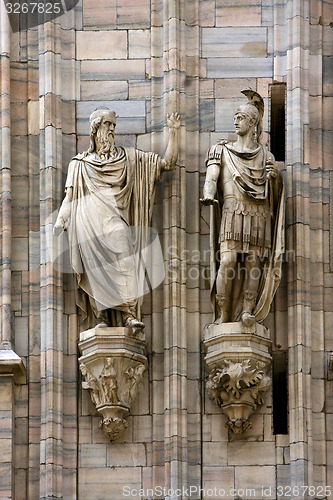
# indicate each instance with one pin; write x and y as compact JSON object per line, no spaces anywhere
{"x":224,"y":282}
{"x":253,"y":268}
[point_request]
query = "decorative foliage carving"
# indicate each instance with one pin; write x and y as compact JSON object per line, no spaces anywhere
{"x":238,"y":388}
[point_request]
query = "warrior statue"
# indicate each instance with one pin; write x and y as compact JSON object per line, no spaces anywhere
{"x":107,"y":209}
{"x":245,"y":191}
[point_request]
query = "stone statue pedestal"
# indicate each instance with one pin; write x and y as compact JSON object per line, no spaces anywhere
{"x":113,"y":362}
{"x":238,"y":360}
{"x":12,"y":365}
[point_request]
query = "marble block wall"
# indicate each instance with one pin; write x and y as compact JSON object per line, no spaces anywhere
{"x":145,"y":58}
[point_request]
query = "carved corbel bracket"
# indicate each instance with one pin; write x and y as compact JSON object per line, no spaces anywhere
{"x":112,"y":363}
{"x":12,"y":365}
{"x":238,"y":361}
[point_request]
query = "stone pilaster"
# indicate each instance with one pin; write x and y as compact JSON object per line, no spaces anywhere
{"x":299,"y":238}
{"x":174,"y":234}
{"x":51,"y":306}
{"x":56,"y":118}
{"x":12,"y":369}
{"x":295,"y":59}
{"x":191,"y":266}
{"x":317,"y":145}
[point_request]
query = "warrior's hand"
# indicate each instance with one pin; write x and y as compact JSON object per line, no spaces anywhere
{"x":208,"y":201}
{"x":272,"y":172}
{"x":173,"y":121}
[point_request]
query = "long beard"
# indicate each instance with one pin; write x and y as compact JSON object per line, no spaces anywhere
{"x":104,"y":143}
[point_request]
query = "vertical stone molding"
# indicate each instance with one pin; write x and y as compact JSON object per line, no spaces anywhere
{"x":56,"y":118}
{"x":7,"y":436}
{"x":238,"y":363}
{"x":51,"y":306}
{"x":174,"y":237}
{"x":12,"y":369}
{"x":6,"y":197}
{"x":301,"y":177}
{"x":112,"y":364}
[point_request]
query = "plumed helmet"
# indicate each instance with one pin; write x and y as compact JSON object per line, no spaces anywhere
{"x":254,"y":108}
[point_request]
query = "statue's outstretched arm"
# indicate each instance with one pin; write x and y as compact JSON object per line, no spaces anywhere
{"x":171,"y":153}
{"x":64,"y":213}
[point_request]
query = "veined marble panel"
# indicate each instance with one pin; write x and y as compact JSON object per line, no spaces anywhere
{"x":98,"y":90}
{"x":131,"y":115}
{"x":246,"y":67}
{"x":234,"y":42}
{"x":101,"y":44}
{"x":113,"y":70}
{"x":238,"y":12}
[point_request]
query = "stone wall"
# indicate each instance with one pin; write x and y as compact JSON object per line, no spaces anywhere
{"x":143,"y":59}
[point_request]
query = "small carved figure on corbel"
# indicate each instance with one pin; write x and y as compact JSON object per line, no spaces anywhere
{"x":91,"y":383}
{"x":109,"y":384}
{"x":134,"y":377}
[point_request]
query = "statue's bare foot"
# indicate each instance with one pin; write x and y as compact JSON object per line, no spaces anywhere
{"x":248,"y":319}
{"x":134,"y":323}
{"x":102,"y":324}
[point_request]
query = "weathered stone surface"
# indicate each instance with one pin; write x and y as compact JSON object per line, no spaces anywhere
{"x":241,"y":12}
{"x":101,"y":44}
{"x":144,"y":57}
{"x":234,"y":42}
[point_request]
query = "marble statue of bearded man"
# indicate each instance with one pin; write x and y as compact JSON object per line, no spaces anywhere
{"x":245,"y":190}
{"x":107,"y":209}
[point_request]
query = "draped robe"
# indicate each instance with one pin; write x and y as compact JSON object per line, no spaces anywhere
{"x":111,"y":209}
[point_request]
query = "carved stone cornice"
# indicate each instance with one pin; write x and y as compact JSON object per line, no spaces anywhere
{"x":112,"y":364}
{"x":238,"y":361}
{"x":12,"y":365}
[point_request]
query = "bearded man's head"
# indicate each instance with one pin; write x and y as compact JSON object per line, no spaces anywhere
{"x":102,"y":138}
